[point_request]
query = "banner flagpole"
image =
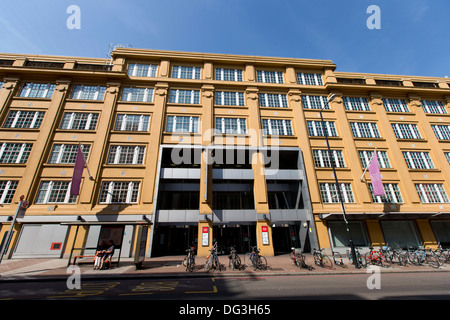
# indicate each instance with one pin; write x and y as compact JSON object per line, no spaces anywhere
{"x":368,"y":164}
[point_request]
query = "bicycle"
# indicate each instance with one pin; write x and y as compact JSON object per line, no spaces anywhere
{"x":421,"y":256}
{"x":298,"y":259}
{"x":337,"y":259}
{"x":376,"y":257}
{"x":359,"y":258}
{"x":212,"y":261}
{"x":395,"y":256}
{"x":442,"y":254}
{"x":234,"y":260}
{"x":255,"y":260}
{"x":189,"y":260}
{"x":322,"y":260}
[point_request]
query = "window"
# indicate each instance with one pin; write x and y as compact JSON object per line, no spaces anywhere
{"x":137,"y":94}
{"x":231,"y":125}
{"x":81,"y":92}
{"x":67,"y":153}
{"x":79,"y":121}
{"x":185,"y":96}
{"x":322,"y":158}
{"x":269,"y":76}
{"x":315,"y":102}
{"x":418,"y":160}
{"x":227,"y":98}
{"x":395,"y":105}
{"x":55,"y":192}
{"x":273,"y":100}
{"x":126,"y":155}
{"x":14,"y":152}
{"x":182,"y":124}
{"x":278,"y":127}
{"x":367,"y":155}
{"x":131,"y":122}
{"x":315,"y":129}
{"x":37,"y":90}
{"x":356,"y":104}
{"x":441,"y":132}
{"x":330,"y":195}
{"x":181,"y":72}
{"x":431,"y":193}
{"x":24,"y":119}
{"x":7,"y":190}
{"x":392,"y":192}
{"x":119,"y":192}
{"x":229,"y":74}
{"x":364,"y":130}
{"x":447,"y":156}
{"x":310,"y":79}
{"x":142,"y":70}
{"x":406,"y":131}
{"x":430,"y":106}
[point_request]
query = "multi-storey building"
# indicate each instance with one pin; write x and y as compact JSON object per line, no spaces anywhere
{"x":215,"y":147}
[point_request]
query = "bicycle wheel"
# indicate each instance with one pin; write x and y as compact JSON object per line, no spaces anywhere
{"x":208,"y":264}
{"x":236,"y":263}
{"x":190,"y":264}
{"x":262,"y":263}
{"x":327,"y":262}
{"x":385,"y":262}
{"x":432,"y":260}
{"x":317,"y":260}
{"x":368,"y":258}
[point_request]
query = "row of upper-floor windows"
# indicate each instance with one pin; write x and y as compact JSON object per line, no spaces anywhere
{"x":227,"y":98}
{"x":26,"y":119}
{"x":224,"y":74}
{"x":58,"y":191}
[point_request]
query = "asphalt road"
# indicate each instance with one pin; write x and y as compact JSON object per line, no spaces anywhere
{"x":432,"y":285}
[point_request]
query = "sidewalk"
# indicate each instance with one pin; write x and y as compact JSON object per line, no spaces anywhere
{"x":171,"y":266}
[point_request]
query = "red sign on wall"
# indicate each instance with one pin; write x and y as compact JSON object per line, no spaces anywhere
{"x":265,"y":235}
{"x":205,"y":236}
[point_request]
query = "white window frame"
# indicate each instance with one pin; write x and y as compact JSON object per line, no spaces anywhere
{"x":442,"y":132}
{"x":309,"y":79}
{"x":20,"y":154}
{"x":79,"y":90}
{"x":237,"y":73}
{"x":110,"y":191}
{"x":392,"y":192}
{"x":238,"y":125}
{"x":150,"y":73}
{"x":71,"y":121}
{"x":356,"y":104}
{"x":236,"y":98}
{"x":429,"y":192}
{"x":323,"y":160}
{"x":133,"y":94}
{"x":360,"y":131}
{"x":194,"y":94}
{"x":38,"y":115}
{"x":317,"y":125}
{"x":10,"y":186}
{"x":418,"y":160}
{"x":37,"y":90}
{"x":271,"y":100}
{"x":315,"y":102}
{"x":367,"y":155}
{"x":267,"y":76}
{"x":121,"y":125}
{"x":177,"y":72}
{"x":395,"y":105}
{"x":49,"y":191}
{"x":115,"y":155}
{"x":192,"y":124}
{"x":286,"y":125}
{"x":330,"y":190}
{"x":433,"y":107}
{"x":409,"y":128}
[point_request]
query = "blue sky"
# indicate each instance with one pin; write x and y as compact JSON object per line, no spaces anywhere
{"x":413,"y":39}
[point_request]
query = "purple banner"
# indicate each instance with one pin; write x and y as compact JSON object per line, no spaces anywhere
{"x":375,"y":177}
{"x":77,"y":173}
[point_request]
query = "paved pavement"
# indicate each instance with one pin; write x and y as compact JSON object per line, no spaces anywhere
{"x":171,"y":266}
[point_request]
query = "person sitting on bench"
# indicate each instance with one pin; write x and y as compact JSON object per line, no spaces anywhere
{"x":101,"y":249}
{"x":107,"y":256}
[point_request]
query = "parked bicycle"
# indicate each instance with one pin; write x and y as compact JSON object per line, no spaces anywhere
{"x":395,"y":255}
{"x":377,"y":257}
{"x":255,"y":260}
{"x":359,"y":258}
{"x":189,"y":260}
{"x":298,"y":259}
{"x":234,"y":261}
{"x":212,"y":261}
{"x":338,"y":261}
{"x":322,"y":260}
{"x":420,"y":256}
{"x":443,"y":254}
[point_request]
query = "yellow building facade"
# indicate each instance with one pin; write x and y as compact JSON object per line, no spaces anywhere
{"x":207,"y":148}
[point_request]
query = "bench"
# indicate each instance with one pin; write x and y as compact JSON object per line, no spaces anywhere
{"x":81,"y":256}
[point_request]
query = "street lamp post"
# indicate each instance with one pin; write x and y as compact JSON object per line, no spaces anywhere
{"x":333,"y":166}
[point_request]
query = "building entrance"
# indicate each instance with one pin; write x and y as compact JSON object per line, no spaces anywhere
{"x":242,"y":237}
{"x":173,"y":240}
{"x":284,"y":238}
